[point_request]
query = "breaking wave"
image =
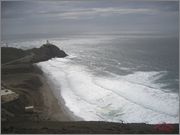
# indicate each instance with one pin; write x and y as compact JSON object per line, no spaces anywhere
{"x":129,"y":98}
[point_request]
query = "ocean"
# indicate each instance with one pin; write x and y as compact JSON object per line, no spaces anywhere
{"x":118,"y":78}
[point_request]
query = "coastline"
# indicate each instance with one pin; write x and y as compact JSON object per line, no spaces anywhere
{"x":34,"y":88}
{"x":21,"y":76}
{"x":55,"y":108}
{"x":49,"y":114}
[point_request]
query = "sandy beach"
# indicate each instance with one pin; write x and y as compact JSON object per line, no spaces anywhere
{"x":53,"y":108}
{"x":42,"y":97}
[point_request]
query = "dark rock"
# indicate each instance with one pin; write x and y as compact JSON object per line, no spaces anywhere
{"x":13,"y":56}
{"x":46,"y":52}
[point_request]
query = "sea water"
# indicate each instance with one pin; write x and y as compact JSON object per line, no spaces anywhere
{"x":114,"y":77}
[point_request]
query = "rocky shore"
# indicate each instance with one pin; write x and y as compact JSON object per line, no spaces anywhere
{"x":36,"y":110}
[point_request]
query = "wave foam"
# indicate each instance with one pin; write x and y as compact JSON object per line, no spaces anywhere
{"x":127,"y":98}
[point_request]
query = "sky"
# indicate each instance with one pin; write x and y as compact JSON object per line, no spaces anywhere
{"x":89,"y":17}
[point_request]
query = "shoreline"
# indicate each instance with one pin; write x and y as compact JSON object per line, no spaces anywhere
{"x":56,"y":108}
{"x":49,"y":114}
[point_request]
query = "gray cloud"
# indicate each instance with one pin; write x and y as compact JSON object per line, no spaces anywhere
{"x":89,"y":17}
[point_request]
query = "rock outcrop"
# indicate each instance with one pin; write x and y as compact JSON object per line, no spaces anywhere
{"x":45,"y":52}
{"x":12,"y":55}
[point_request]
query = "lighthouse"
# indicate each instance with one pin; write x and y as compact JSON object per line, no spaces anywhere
{"x":47,"y":42}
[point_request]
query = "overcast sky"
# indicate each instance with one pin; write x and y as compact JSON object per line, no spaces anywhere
{"x":84,"y":17}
